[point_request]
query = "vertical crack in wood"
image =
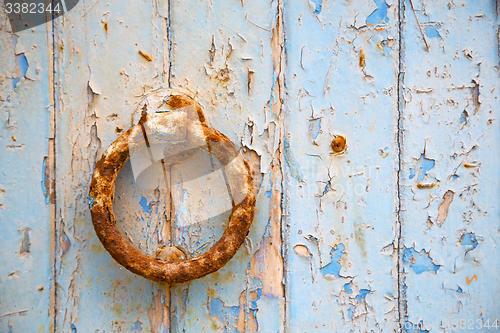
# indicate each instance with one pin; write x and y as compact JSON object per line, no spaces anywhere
{"x":51,"y":167}
{"x":282,"y":116}
{"x":170,"y":238}
{"x":400,"y":106}
{"x":169,"y":42}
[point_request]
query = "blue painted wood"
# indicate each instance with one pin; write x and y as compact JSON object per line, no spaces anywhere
{"x":449,"y":182}
{"x":398,"y":230}
{"x":100,"y":77}
{"x":341,"y":80}
{"x":225,"y":54}
{"x":25,"y":212}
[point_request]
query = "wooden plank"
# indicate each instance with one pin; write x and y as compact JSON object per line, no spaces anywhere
{"x":341,"y":76}
{"x":229,"y":55}
{"x":108,"y":55}
{"x":25,"y":179}
{"x":449,"y":184}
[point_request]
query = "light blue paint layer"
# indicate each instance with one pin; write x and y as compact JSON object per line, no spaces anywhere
{"x":379,"y":15}
{"x":22,"y":68}
{"x":423,"y":166}
{"x":419,"y":261}
{"x":432,"y":31}
{"x":333,"y":268}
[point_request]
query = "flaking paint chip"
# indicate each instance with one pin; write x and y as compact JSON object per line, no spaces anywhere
{"x":145,"y":55}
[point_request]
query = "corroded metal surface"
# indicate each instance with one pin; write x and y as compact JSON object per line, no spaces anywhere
{"x":187,"y":127}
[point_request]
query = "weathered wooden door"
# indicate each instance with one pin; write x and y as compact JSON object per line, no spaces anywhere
{"x":397,"y":228}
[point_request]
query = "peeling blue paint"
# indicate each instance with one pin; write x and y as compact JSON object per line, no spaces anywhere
{"x":319,"y":6}
{"x":350,"y":311}
{"x":419,"y":261}
{"x":459,"y":290}
{"x":469,"y":239}
{"x":91,"y":201}
{"x":73,"y":328}
{"x":465,"y":116}
{"x":362,"y":295}
{"x":227,"y":316}
{"x":315,"y":127}
{"x":253,"y":302}
{"x":137,"y":326}
{"x":294,"y":168}
{"x":432,"y":32}
{"x":145,"y":205}
{"x":333,"y":268}
{"x":22,"y":68}
{"x":379,"y":15}
{"x":348,"y":287}
{"x":423,"y":166}
{"x":273,"y":97}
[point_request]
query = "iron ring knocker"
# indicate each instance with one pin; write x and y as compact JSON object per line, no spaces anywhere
{"x":185,"y":128}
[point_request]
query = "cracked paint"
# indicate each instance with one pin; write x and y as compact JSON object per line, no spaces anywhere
{"x":317,"y":5}
{"x":25,"y":244}
{"x":379,"y":15}
{"x":333,"y":268}
{"x":226,"y":316}
{"x":444,"y":207}
{"x":469,"y":239}
{"x":26,"y":184}
{"x":423,"y":166}
{"x":432,"y":31}
{"x":344,"y":63}
{"x":419,"y":261}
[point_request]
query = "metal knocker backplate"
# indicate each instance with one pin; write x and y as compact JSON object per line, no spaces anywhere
{"x":183,"y":126}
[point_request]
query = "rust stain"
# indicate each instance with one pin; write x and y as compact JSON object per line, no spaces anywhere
{"x":145,"y":55}
{"x":177,"y":102}
{"x":423,"y":185}
{"x":362,"y":60}
{"x":468,"y":281}
{"x":105,"y":26}
{"x":101,"y":197}
{"x":444,"y":207}
{"x":472,"y":165}
{"x":338,"y":144}
{"x":223,"y":75}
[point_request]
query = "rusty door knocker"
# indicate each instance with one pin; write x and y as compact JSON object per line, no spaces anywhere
{"x":185,"y":128}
